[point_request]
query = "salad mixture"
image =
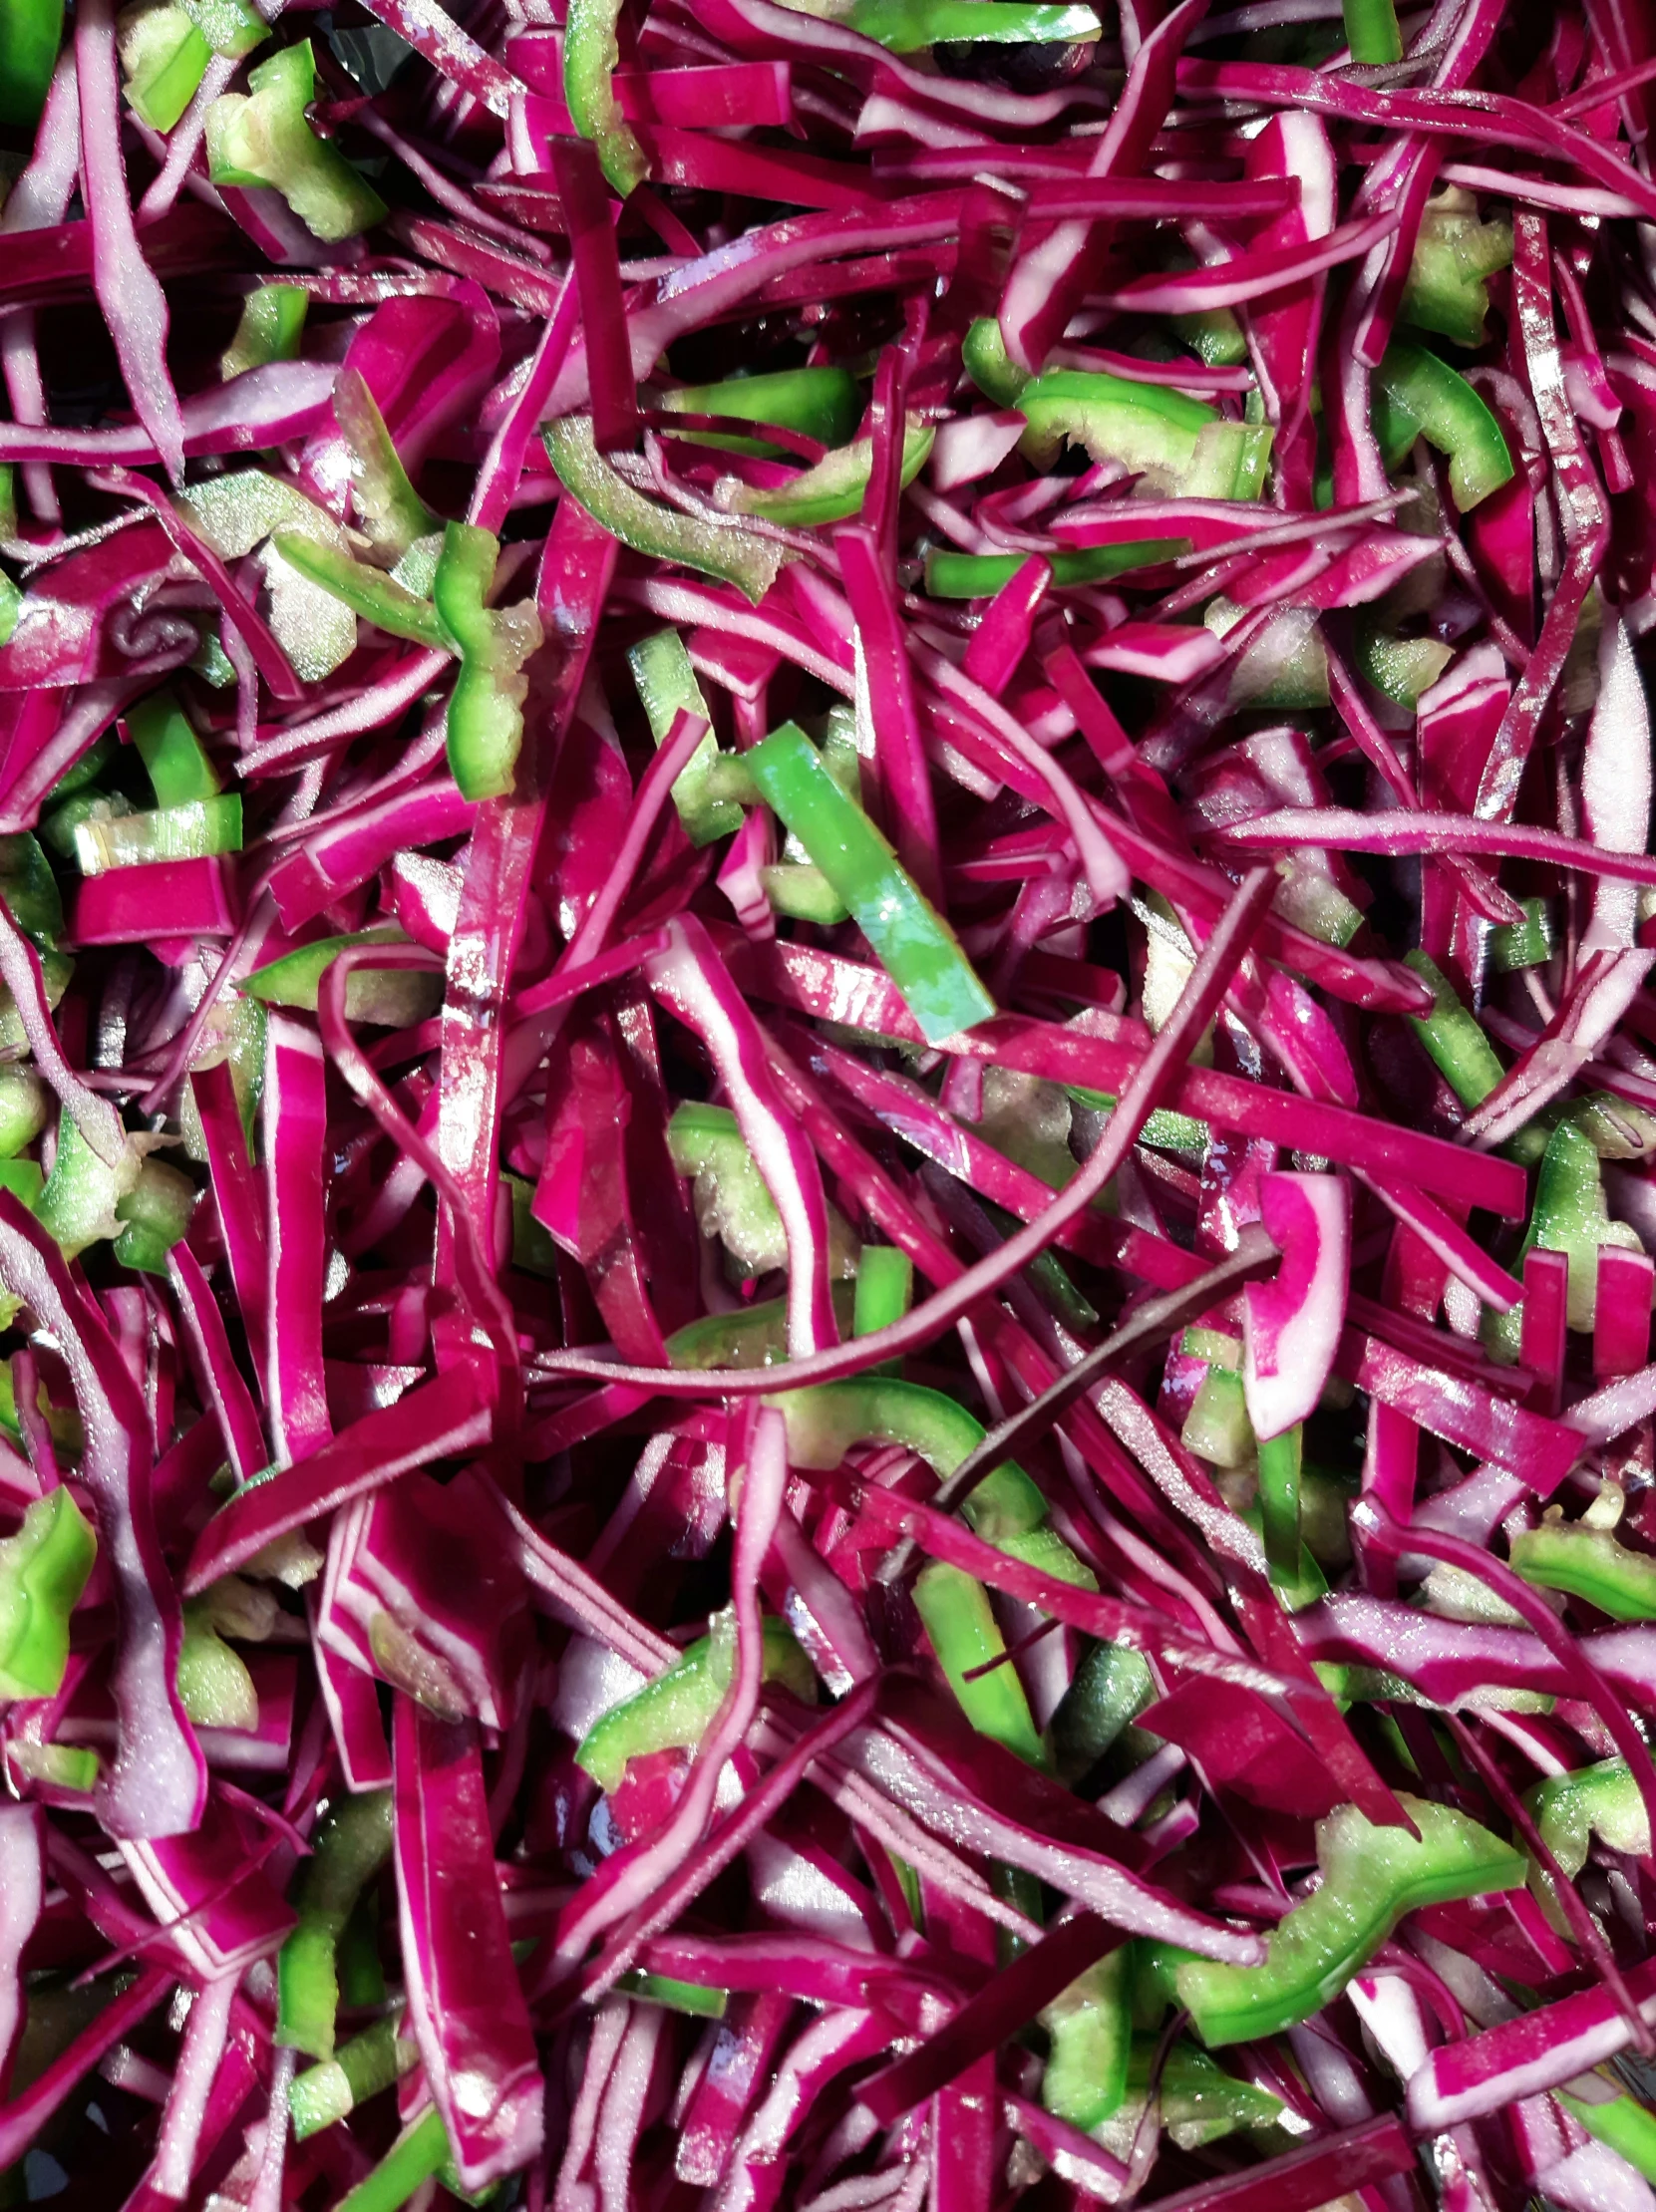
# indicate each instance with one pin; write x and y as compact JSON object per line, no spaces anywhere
{"x":828,"y":1106}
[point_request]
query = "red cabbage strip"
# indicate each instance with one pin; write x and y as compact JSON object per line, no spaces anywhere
{"x":22,"y":2120}
{"x":1540,"y":2051}
{"x":1226,"y":945}
{"x":239,"y":1201}
{"x":441,"y":1418}
{"x":94,"y":1116}
{"x":157,"y":1784}
{"x":902,"y":780}
{"x":1297,"y":2181}
{"x":22,"y":1892}
{"x":39,"y":199}
{"x":216,"y":1374}
{"x":262,"y":407}
{"x":688,"y":978}
{"x":584,"y":198}
{"x":1455,"y":1409}
{"x":336,"y":859}
{"x":295,"y":1138}
{"x":1396,"y":833}
{"x":465,"y":2002}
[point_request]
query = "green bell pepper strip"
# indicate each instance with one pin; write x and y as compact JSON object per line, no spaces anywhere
{"x":592,"y":53}
{"x":485,"y":708}
{"x":25,"y":1107}
{"x":981,"y":575}
{"x":884,"y":1291}
{"x":1569,"y":1216}
{"x":179,"y":770}
{"x":1525,"y":944}
{"x":352,"y":1842}
{"x":821,"y":402}
{"x":673,"y":1712}
{"x":192,"y":831}
{"x":1417,"y":395}
{"x":417,"y":2154}
{"x":264,"y":138}
{"x":164,"y":57}
{"x":392,"y":513}
{"x":985,"y":359}
{"x":1618,"y":2119}
{"x":273,"y":328}
{"x":666,"y":684}
{"x":1112,"y":1686}
{"x":1218,"y":1427}
{"x":910,"y":939}
{"x":1181,"y":442}
{"x":1090,"y":2031}
{"x":1371,"y":31}
{"x":78,"y":1203}
{"x":1214,"y":335}
{"x":1403,"y":669}
{"x":755,"y":1336}
{"x":1458,"y":1047}
{"x":1371,"y":1878}
{"x":1279,"y":1458}
{"x":361,"y":1972}
{"x":31,"y":31}
{"x":1200,"y":2102}
{"x":532,"y":1246}
{"x":1454,"y":254}
{"x":910,"y":26}
{"x":24,"y":1178}
{"x":365,"y":2067}
{"x":676,"y":1997}
{"x":232,"y":27}
{"x":155,"y":1216}
{"x":1587,"y":1563}
{"x":960,"y":1621}
{"x":368,"y":592}
{"x":803,"y":893}
{"x":393,"y":997}
{"x":832,"y":488}
{"x":43,"y":1570}
{"x":215,"y":1686}
{"x":733,"y":1202}
{"x":728,"y":551}
{"x":1602,"y":1799}
{"x":11,"y":606}
{"x":30,"y":889}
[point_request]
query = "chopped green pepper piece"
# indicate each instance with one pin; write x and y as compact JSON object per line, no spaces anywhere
{"x":1179,"y":446}
{"x":981,"y":575}
{"x":215,"y":1686}
{"x":43,"y":1570}
{"x":392,"y":513}
{"x":1454,"y":254}
{"x":230,"y":27}
{"x":984,"y":356}
{"x":1371,"y":31}
{"x":78,"y":1203}
{"x":1604,"y":1799}
{"x":821,"y":403}
{"x":365,"y":2067}
{"x":884,"y":1291}
{"x":592,"y":53}
{"x":1459,"y":1049}
{"x":533,"y":1246}
{"x":1112,"y":1687}
{"x":273,"y":328}
{"x":1525,"y":944}
{"x":31,"y":31}
{"x":673,"y":1712}
{"x":1587,"y":1563}
{"x":164,"y":57}
{"x":1216,"y":1427}
{"x":677,"y":1997}
{"x":716,"y":548}
{"x":368,"y":592}
{"x":1200,"y":2102}
{"x":912,"y":940}
{"x":755,"y":1336}
{"x":395,"y":998}
{"x":910,"y":26}
{"x":30,"y":889}
{"x":155,"y":1215}
{"x":197,"y":828}
{"x":803,"y":893}
{"x":666,"y":683}
{"x":1400,"y":668}
{"x":266,"y":138}
{"x":485,"y":708}
{"x":1418,"y":396}
{"x":1618,"y":2119}
{"x":833,"y":487}
{"x":1214,"y":335}
{"x":1569,"y":1216}
{"x":1280,"y":1502}
{"x":960,"y":1622}
{"x":731,"y":1198}
{"x":178,"y":768}
{"x":1091,"y":2028}
{"x":351,"y":1843}
{"x":1370,"y":1877}
{"x":25,"y":1105}
{"x":417,"y":2154}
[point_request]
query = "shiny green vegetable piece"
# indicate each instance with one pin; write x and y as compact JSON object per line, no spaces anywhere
{"x":485,"y":708}
{"x":912,"y":942}
{"x":155,"y":1216}
{"x":1587,"y":1563}
{"x":31,"y":32}
{"x":1200,"y":2102}
{"x":1370,"y":1877}
{"x":981,"y":575}
{"x":834,"y":488}
{"x":591,"y":52}
{"x":30,"y":889}
{"x":1371,"y":31}
{"x":1112,"y":1687}
{"x":960,"y":1622}
{"x":352,"y":1842}
{"x":264,"y":138}
{"x":1418,"y":396}
{"x":368,"y":592}
{"x":174,"y":756}
{"x":1178,"y":446}
{"x":78,"y":1205}
{"x":755,"y":1336}
{"x":1569,"y":1216}
{"x":715,"y":548}
{"x":908,"y":26}
{"x":1615,"y":2118}
{"x":1459,"y":1051}
{"x":1603,"y":1800}
{"x":25,"y":1107}
{"x":213,"y":1683}
{"x":43,"y":1570}
{"x":1214,"y":335}
{"x":273,"y":328}
{"x":417,"y":2154}
{"x":1401,"y":668}
{"x":363,"y":2068}
{"x":393,"y":997}
{"x":200,"y":828}
{"x":884,"y":1291}
{"x":1525,"y":944}
{"x":677,"y":1997}
{"x":821,"y":403}
{"x":164,"y":57}
{"x":731,"y":1200}
{"x":1091,"y":2028}
{"x":1455,"y":253}
{"x":232,"y":27}
{"x":391,"y":513}
{"x":666,"y":684}
{"x":673,"y":1712}
{"x":1279,"y":1503}
{"x":983,"y":353}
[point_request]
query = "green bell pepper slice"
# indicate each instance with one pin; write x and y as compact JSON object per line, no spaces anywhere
{"x":163,"y":57}
{"x":884,"y":1290}
{"x":959,"y":1620}
{"x":911,"y":26}
{"x":43,"y":1570}
{"x":232,"y":27}
{"x":952,"y":576}
{"x":1525,"y":944}
{"x":1587,"y":1563}
{"x":1371,"y":31}
{"x":264,"y":138}
{"x":1418,"y":396}
{"x":25,"y":1107}
{"x":395,"y":998}
{"x":31,"y":31}
{"x":181,"y":773}
{"x":418,"y":2153}
{"x":365,"y":2067}
{"x":1370,"y":1877}
{"x":728,"y":551}
{"x":821,"y":402}
{"x":1458,"y":1047}
{"x":591,"y":54}
{"x":834,"y":488}
{"x":1618,"y":2119}
{"x":667,"y":684}
{"x":1091,"y":2029}
{"x":392,"y":513}
{"x":1569,"y":1216}
{"x":215,"y":1686}
{"x":1602,"y":1799}
{"x":368,"y":592}
{"x":485,"y":708}
{"x":271,"y":328}
{"x":1454,"y":255}
{"x":1279,"y":1458}
{"x":153,"y":1217}
{"x":198,"y":828}
{"x":912,"y":942}
{"x":676,"y":1709}
{"x":753,"y":1335}
{"x":1181,"y":443}
{"x":352,"y":1842}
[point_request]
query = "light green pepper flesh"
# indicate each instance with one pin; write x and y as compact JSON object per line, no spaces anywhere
{"x":351,"y":1844}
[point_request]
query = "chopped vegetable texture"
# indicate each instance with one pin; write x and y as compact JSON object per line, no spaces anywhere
{"x":828,"y":1106}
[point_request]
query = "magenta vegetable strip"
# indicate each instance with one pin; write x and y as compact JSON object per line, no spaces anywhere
{"x":828,"y":1106}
